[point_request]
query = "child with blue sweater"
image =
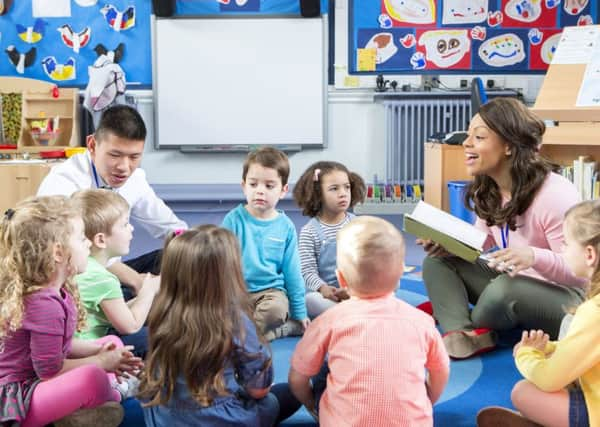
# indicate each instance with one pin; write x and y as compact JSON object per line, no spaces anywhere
{"x":269,"y":245}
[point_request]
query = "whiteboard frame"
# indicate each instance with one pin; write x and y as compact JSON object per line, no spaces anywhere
{"x":239,"y":147}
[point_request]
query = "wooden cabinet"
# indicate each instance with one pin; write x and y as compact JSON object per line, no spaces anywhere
{"x":19,"y":181}
{"x":39,"y":103}
{"x":443,"y":163}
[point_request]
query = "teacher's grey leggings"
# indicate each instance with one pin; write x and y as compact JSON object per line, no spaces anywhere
{"x":500,"y":302}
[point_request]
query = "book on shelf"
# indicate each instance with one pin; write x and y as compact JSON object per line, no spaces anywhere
{"x":584,"y":176}
{"x":455,"y":235}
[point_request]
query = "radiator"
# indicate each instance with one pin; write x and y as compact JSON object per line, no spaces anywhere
{"x":409,"y":123}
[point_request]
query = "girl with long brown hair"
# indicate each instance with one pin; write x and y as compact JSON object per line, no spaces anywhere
{"x":206,"y":364}
{"x":520,"y":203}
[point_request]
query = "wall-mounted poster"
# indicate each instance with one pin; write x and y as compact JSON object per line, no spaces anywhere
{"x":460,"y":36}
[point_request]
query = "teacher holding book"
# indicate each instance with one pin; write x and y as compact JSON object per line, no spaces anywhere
{"x":520,"y":203}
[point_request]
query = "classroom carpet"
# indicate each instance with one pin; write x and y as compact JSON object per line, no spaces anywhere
{"x":474,"y":383}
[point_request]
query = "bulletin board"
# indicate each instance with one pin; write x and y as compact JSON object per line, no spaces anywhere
{"x":33,"y":32}
{"x":460,"y":36}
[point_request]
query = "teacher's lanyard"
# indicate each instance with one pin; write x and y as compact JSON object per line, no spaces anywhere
{"x":95,"y":174}
{"x":504,"y":233}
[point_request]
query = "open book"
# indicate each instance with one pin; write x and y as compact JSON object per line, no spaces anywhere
{"x":456,"y":236}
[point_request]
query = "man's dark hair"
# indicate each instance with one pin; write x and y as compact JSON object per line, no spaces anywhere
{"x":122,"y":121}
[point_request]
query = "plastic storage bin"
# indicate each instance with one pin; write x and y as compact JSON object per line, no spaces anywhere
{"x":456,"y":192}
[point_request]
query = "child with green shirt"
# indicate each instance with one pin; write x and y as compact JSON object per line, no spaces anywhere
{"x":106,"y":218}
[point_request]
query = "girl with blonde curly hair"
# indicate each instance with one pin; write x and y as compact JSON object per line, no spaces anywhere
{"x":47,"y":376}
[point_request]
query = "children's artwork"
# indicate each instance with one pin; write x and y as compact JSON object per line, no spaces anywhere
{"x":458,"y":36}
{"x":51,"y":8}
{"x":409,"y":12}
{"x":59,"y":72}
{"x":119,"y":20}
{"x":74,"y":40}
{"x":502,"y":51}
{"x":384,"y":46}
{"x":445,"y":48}
{"x":21,"y":60}
{"x":34,"y":33}
{"x":460,"y":12}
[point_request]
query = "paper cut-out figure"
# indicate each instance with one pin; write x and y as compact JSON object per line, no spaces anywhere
{"x":478,"y":32}
{"x":385,"y":46}
{"x":119,"y":20}
{"x":495,"y":18}
{"x":585,"y":20}
{"x":464,"y":11}
{"x":502,"y":51}
{"x":549,"y":47}
{"x":574,"y":7}
{"x":535,"y":36}
{"x":551,"y":4}
{"x":385,"y":21}
{"x":21,"y":60}
{"x":34,"y":33}
{"x":59,"y":72}
{"x":418,"y":61}
{"x":445,"y":47}
{"x":408,"y":41}
{"x":107,"y":80}
{"x":524,"y":10}
{"x":411,"y":11}
{"x":75,"y":40}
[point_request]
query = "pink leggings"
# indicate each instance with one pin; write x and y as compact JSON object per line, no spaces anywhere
{"x":86,"y":386}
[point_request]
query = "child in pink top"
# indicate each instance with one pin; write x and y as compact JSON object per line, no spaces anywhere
{"x":45,"y":374}
{"x":378,"y":348}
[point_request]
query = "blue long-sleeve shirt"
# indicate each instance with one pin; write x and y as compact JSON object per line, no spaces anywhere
{"x":269,"y":255}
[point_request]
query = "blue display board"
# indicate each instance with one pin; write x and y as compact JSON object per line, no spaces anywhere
{"x":56,"y":62}
{"x":261,"y":7}
{"x":460,"y":36}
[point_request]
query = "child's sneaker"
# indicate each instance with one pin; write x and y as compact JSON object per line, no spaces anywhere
{"x":495,"y":416}
{"x":109,"y":414}
{"x":291,"y":328}
{"x":128,"y":387}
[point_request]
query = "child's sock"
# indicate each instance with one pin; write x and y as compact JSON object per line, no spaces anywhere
{"x":290,"y":328}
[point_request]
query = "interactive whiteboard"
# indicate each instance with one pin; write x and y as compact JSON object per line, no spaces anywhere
{"x":234,"y":82}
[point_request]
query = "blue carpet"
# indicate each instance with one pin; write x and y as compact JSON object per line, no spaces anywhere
{"x":474,"y":383}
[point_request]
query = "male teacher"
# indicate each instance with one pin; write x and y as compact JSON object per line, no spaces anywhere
{"x":111,"y":161}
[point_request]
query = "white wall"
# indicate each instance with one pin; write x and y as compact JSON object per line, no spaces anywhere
{"x":355,"y":128}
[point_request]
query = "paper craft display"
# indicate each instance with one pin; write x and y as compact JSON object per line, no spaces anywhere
{"x":513,"y":36}
{"x":460,"y":12}
{"x":51,"y":8}
{"x":75,"y":40}
{"x":117,"y":20}
{"x":5,"y":6}
{"x":239,"y":5}
{"x":21,"y":60}
{"x":59,"y":72}
{"x":446,"y":48}
{"x":34,"y":33}
{"x":410,"y":12}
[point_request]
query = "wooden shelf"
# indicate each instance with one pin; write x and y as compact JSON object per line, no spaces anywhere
{"x":443,"y":163}
{"x":38,"y":104}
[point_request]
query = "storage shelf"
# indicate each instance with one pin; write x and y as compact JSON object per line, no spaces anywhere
{"x":385,"y":208}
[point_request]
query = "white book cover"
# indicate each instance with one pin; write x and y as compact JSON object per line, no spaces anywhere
{"x":448,"y":224}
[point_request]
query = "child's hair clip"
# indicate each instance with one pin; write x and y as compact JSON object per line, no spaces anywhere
{"x":317,"y":173}
{"x":178,"y":232}
{"x":9,"y":213}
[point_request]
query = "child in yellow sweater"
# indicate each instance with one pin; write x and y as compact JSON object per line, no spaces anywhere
{"x":549,"y":367}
